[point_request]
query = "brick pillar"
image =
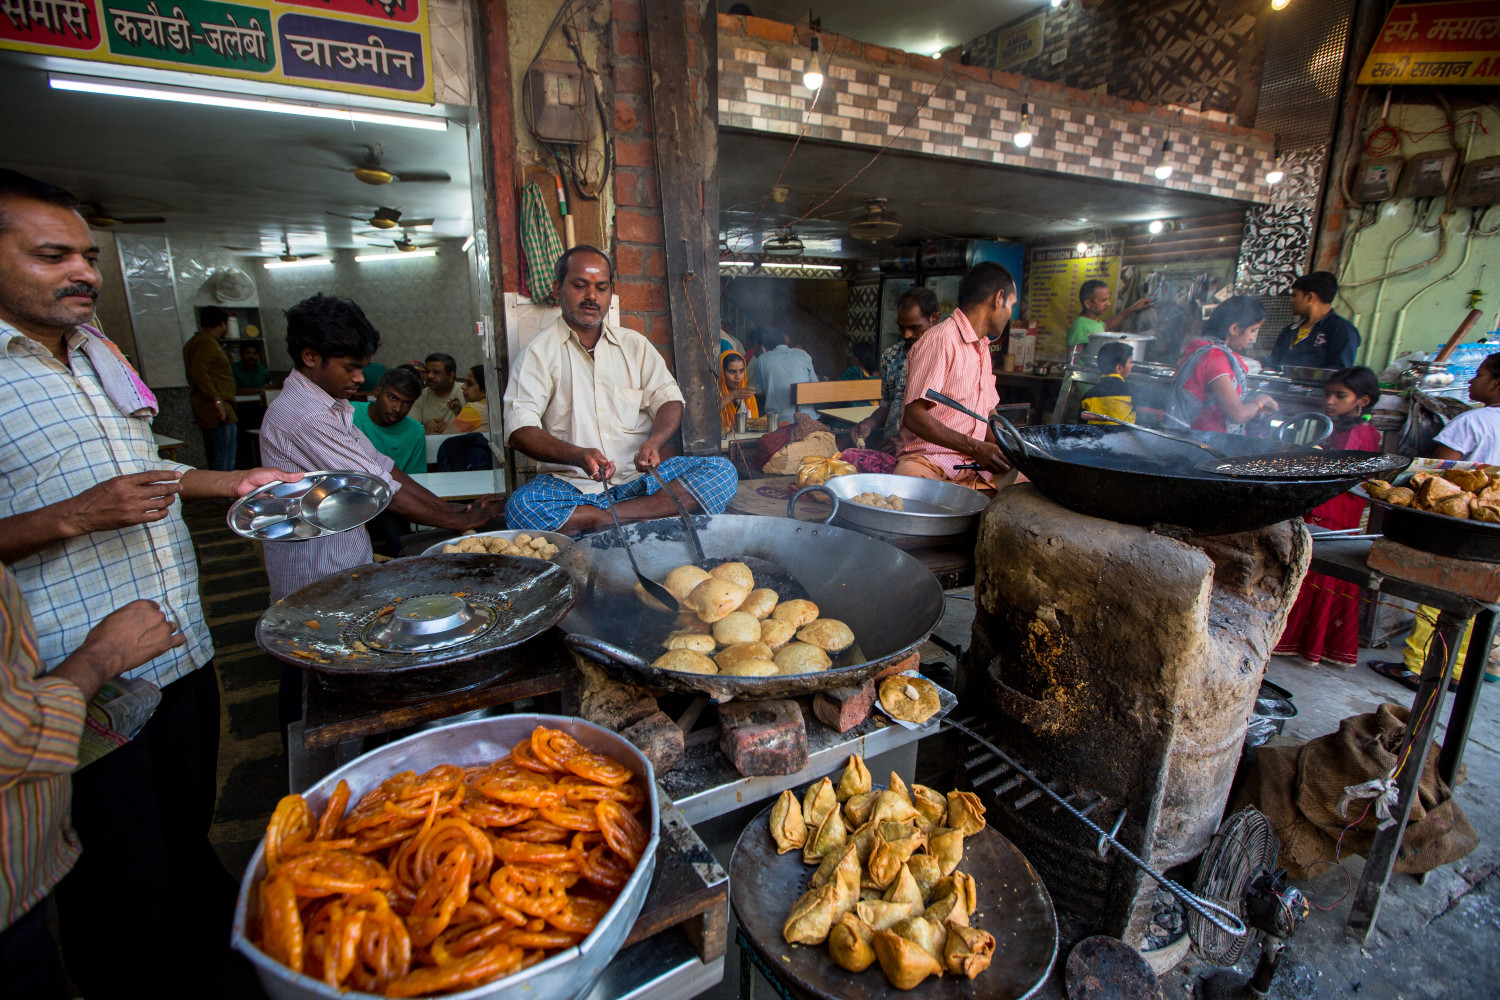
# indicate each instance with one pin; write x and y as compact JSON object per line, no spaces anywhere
{"x":640,"y":279}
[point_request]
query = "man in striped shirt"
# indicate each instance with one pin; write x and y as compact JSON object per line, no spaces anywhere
{"x":310,"y":426}
{"x":88,"y":523}
{"x":41,"y":720}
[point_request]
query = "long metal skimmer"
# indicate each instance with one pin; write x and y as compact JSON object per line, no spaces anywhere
{"x":1202,"y":907}
{"x":687,"y":519}
{"x":656,"y":590}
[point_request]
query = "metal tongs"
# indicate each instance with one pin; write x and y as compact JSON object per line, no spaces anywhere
{"x":1212,"y":912}
{"x":687,"y":519}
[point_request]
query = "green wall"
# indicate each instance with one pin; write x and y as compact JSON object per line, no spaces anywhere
{"x":1421,"y":309}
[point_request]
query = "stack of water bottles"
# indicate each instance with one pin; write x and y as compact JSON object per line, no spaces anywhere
{"x":1465,"y":360}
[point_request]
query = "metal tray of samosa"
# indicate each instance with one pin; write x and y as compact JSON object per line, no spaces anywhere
{"x":1014,"y":906}
{"x":319,"y":504}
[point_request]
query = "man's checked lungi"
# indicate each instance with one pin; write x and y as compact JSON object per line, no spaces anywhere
{"x":546,"y":503}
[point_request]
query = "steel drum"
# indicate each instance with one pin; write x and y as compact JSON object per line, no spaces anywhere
{"x":567,"y":973}
{"x":889,"y":599}
{"x":413,"y":614}
{"x":1014,"y":906}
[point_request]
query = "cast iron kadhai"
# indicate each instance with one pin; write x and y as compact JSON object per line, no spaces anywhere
{"x":1014,"y":906}
{"x":423,"y":612}
{"x":889,"y":599}
{"x":1109,"y":472}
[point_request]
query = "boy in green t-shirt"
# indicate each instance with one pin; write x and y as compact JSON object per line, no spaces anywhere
{"x":384,"y":421}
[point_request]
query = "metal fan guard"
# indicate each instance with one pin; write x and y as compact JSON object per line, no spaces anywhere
{"x":1244,"y":846}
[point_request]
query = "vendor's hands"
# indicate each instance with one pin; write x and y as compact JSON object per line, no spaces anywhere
{"x":482,"y":511}
{"x":648,"y":458}
{"x":125,"y":639}
{"x":862,"y":431}
{"x":139,"y":498}
{"x":990,"y":458}
{"x":243,"y":481}
{"x":1266,"y":404}
{"x":1139,"y":305}
{"x":593,"y":462}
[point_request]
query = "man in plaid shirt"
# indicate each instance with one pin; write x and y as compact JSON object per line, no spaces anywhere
{"x":89,"y":523}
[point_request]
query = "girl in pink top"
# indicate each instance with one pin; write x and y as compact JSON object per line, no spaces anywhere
{"x":1209,"y":392}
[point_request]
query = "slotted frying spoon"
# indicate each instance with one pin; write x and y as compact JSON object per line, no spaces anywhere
{"x":653,"y":588}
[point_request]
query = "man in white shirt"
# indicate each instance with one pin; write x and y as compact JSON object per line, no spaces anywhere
{"x":434,"y":408}
{"x":773,"y":374}
{"x":585,"y":400}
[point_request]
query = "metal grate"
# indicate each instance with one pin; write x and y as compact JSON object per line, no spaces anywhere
{"x":1303,"y":72}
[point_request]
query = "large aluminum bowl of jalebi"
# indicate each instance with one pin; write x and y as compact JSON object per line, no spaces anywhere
{"x":498,"y":858}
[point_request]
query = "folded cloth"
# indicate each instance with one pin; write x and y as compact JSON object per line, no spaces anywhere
{"x":121,"y":383}
{"x":868,"y":460}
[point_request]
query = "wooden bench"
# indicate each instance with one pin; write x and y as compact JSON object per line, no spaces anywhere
{"x":859,"y":390}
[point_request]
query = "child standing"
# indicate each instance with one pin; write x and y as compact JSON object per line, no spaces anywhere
{"x":1324,"y":623}
{"x":1111,"y":397}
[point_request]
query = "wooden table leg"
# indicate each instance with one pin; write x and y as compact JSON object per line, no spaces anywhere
{"x":1466,"y":701}
{"x":1442,"y":656}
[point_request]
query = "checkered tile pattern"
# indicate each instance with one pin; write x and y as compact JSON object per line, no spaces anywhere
{"x":546,"y":503}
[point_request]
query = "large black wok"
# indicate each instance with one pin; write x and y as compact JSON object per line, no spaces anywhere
{"x":1117,"y":474}
{"x":889,"y":599}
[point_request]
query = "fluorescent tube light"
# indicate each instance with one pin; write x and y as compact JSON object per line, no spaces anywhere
{"x":219,"y":99}
{"x":309,"y":262}
{"x":398,"y":255}
{"x":467,"y":243}
{"x":736,"y":263}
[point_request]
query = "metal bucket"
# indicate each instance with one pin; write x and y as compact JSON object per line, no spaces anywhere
{"x":565,"y":974}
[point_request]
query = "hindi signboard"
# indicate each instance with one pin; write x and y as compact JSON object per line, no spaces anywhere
{"x":1436,"y":44}
{"x":375,"y":47}
{"x":1054,"y":276}
{"x":1020,"y":42}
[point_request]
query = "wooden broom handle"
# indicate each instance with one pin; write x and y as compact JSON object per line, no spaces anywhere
{"x":1463,"y":328}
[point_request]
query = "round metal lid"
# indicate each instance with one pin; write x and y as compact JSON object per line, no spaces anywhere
{"x":431,"y":621}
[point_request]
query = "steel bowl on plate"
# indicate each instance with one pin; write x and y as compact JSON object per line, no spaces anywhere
{"x":565,"y":974}
{"x":317,"y":505}
{"x":932,"y":507}
{"x":556,"y":538}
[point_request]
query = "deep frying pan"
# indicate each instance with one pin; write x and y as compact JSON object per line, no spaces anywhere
{"x":1110,"y":472}
{"x":889,"y":599}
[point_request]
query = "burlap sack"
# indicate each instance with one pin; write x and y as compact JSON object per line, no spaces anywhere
{"x":800,"y":427}
{"x":788,"y":461}
{"x":1298,"y":787}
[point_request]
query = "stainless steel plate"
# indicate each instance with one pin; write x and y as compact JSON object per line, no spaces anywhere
{"x":932,"y":507}
{"x":317,"y":505}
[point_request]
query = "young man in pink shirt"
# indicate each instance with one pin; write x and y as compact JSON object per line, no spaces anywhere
{"x":954,"y":358}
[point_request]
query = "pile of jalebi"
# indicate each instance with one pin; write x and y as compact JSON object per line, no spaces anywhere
{"x":438,"y":882}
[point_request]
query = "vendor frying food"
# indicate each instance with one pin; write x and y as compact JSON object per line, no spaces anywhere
{"x":1210,"y":391}
{"x":585,"y":399}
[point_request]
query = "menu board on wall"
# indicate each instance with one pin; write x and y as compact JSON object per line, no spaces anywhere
{"x":1056,"y":275}
{"x":375,"y":47}
{"x":1436,"y":43}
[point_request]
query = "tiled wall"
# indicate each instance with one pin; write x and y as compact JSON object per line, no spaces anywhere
{"x":871,"y":94}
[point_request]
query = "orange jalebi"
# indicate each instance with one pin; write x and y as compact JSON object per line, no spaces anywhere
{"x":441,"y":881}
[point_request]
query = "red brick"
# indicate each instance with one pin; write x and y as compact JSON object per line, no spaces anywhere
{"x":625,"y":119}
{"x":635,"y":260}
{"x":1012,"y":81}
{"x":640,"y":153}
{"x":846,"y":46}
{"x":636,"y":190}
{"x":923,"y":63}
{"x":638,"y":227}
{"x":625,"y":10}
{"x":911,"y":662}
{"x":634,"y":322}
{"x":881,"y":54}
{"x":732,"y":23}
{"x":776,"y":31}
{"x":658,"y":737}
{"x":632,"y":80}
{"x":1479,"y":580}
{"x":843,"y":708}
{"x":763,"y":737}
{"x":641,"y":295}
{"x":973,"y":72}
{"x":693,"y":21}
{"x":628,"y":43}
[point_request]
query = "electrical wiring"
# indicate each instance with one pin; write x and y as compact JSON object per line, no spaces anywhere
{"x":574,"y":158}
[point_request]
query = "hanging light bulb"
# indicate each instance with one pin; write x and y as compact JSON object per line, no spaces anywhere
{"x":1164,"y":169}
{"x":1279,"y":4}
{"x":813,"y":78}
{"x":1023,"y":135}
{"x":1083,"y":249}
{"x":1156,"y":226}
{"x":1276,"y":175}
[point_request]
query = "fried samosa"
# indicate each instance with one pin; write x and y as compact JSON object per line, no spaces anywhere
{"x":892,"y":806}
{"x":817,"y":801}
{"x":849,"y":943}
{"x":958,"y":884}
{"x":1434,"y":490}
{"x":1401,"y":497}
{"x":924,"y":933}
{"x":904,"y":889}
{"x":968,"y":950}
{"x":840,"y":864}
{"x":899,"y":787}
{"x":1454,"y":506}
{"x":830,"y":836}
{"x":965,"y":813}
{"x":948,"y":910}
{"x":888,"y":856}
{"x":904,"y":963}
{"x":1378,"y":488}
{"x":1487,"y":511}
{"x":857,"y":808}
{"x":1468,"y":480}
{"x":815,"y":913}
{"x":930,"y":804}
{"x":880,"y":914}
{"x":946,"y":846}
{"x":787,"y":826}
{"x":855,"y":780}
{"x":926,"y":869}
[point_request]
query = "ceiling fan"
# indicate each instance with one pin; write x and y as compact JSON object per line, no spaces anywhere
{"x":784,"y":244}
{"x":385,"y":218}
{"x":370,"y":171}
{"x":95,"y":215}
{"x":286,"y":254}
{"x":876,"y":224}
{"x":404,"y":244}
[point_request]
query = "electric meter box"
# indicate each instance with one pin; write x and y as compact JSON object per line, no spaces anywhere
{"x":559,"y":97}
{"x":1376,"y":179}
{"x":1480,"y":184}
{"x":1427,"y":175}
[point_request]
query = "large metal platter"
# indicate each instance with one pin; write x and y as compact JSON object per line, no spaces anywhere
{"x":889,"y":599}
{"x":565,"y":974}
{"x":319,"y":504}
{"x":933,"y":507}
{"x":1429,"y":531}
{"x":527,"y":596}
{"x":1014,"y":905}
